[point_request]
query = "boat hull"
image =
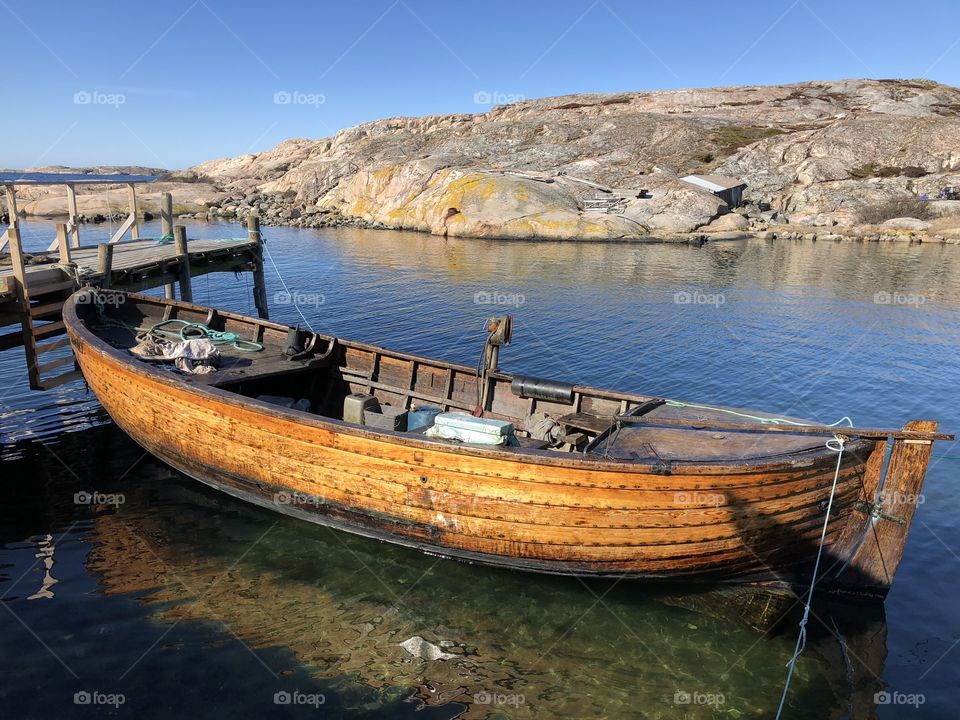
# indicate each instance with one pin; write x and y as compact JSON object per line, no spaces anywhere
{"x":756,"y":523}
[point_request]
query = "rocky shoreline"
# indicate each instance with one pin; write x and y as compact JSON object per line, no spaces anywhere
{"x":749,"y":221}
{"x":873,"y":160}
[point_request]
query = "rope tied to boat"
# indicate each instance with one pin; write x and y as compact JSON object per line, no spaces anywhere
{"x":276,"y":269}
{"x":837,"y":444}
{"x":196,"y":331}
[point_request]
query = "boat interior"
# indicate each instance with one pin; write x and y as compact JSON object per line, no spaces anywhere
{"x":394,"y":392}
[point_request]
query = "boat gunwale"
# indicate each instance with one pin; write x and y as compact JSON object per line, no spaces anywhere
{"x":77,"y":330}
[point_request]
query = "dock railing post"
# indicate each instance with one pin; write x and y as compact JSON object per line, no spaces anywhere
{"x":180,"y":243}
{"x":63,"y":243}
{"x":259,"y":278}
{"x":104,"y":263}
{"x":11,"y":214}
{"x":73,"y":215}
{"x":166,"y":232}
{"x":132,"y":200}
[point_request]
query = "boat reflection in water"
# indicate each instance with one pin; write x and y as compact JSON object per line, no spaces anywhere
{"x":471,"y":640}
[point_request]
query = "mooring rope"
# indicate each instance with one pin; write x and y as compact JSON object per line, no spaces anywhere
{"x":836,"y":444}
{"x":285,"y":288}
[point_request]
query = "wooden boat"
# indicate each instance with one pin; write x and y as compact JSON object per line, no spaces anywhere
{"x":625,"y":485}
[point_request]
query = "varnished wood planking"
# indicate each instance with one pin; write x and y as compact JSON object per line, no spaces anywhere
{"x":205,"y":431}
{"x":342,"y":448}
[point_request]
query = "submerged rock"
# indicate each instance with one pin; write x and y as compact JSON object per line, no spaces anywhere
{"x":418,"y":647}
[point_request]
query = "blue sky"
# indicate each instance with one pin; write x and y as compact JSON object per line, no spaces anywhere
{"x":173,"y":83}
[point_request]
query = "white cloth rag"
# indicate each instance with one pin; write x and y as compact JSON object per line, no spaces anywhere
{"x":195,"y":357}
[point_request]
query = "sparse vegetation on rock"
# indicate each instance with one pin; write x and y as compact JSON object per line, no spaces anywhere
{"x":899,"y":207}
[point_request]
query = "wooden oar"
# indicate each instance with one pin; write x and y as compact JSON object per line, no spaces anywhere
{"x":878,"y":433}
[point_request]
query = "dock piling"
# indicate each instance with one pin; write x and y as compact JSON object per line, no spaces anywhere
{"x":259,"y":278}
{"x":63,"y":243}
{"x":105,"y":263}
{"x":180,"y":242}
{"x":166,"y":231}
{"x":132,"y":201}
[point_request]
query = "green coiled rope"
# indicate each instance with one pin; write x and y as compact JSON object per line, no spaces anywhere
{"x":196,"y":331}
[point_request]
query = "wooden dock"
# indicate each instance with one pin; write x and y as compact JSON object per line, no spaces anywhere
{"x":32,"y":293}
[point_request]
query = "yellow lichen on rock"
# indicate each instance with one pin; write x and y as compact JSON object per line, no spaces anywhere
{"x":474,"y":203}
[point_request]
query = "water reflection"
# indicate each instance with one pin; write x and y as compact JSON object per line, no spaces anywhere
{"x":521,"y":645}
{"x":801,"y":330}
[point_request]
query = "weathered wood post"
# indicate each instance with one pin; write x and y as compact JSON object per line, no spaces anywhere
{"x":259,"y":278}
{"x":132,"y":199}
{"x":23,"y":299}
{"x":180,"y":243}
{"x":12,"y":215}
{"x":72,"y":215}
{"x":63,"y":243}
{"x":166,"y":233}
{"x":105,"y":263}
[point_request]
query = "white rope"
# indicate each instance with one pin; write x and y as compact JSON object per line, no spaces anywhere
{"x":286,"y":289}
{"x":836,"y":443}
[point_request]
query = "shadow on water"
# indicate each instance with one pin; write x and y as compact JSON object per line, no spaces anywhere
{"x":183,"y":599}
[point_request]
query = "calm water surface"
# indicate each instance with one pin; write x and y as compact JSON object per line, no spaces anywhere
{"x":185,"y":602}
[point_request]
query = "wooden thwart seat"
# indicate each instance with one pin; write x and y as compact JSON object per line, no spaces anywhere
{"x":594,"y":424}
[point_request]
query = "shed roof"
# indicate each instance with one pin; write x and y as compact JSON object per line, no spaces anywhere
{"x":714,"y":183}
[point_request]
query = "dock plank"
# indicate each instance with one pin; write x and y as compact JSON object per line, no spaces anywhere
{"x":128,"y":256}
